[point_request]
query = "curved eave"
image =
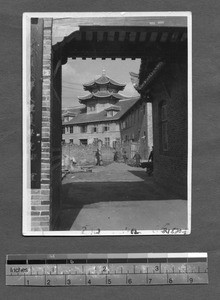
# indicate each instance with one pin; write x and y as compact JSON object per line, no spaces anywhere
{"x":98,"y":96}
{"x":111,"y":86}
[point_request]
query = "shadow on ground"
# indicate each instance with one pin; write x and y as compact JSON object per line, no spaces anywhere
{"x":76,"y":195}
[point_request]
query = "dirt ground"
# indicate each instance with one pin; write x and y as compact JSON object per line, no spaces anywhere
{"x":118,"y":197}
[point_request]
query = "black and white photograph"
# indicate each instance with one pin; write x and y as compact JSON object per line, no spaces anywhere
{"x":107,"y":123}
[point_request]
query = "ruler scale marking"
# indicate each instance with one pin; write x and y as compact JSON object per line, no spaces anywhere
{"x":107,"y":269}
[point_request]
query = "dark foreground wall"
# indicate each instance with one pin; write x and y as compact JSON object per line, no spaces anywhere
{"x":170,"y":164}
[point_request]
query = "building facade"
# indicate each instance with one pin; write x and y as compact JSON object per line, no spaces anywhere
{"x":104,"y":109}
{"x":136,"y":129}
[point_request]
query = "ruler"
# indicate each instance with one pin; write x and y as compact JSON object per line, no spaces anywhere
{"x":107,"y":269}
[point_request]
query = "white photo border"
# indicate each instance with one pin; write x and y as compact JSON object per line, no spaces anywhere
{"x":26,"y":203}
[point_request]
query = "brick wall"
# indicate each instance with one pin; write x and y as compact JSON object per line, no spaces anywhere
{"x":170,"y":167}
{"x":85,"y":155}
{"x":40,"y":198}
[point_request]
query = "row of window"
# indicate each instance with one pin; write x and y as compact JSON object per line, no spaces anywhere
{"x":110,"y":113}
{"x":105,"y":88}
{"x":91,"y":108}
{"x":85,"y":141}
{"x":84,"y":129}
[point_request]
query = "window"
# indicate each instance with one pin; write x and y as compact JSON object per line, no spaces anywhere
{"x":63,"y":129}
{"x":110,"y":113}
{"x":71,"y":129}
{"x":163,"y":126}
{"x":106,"y":128}
{"x":94,"y":129}
{"x":107,"y":141}
{"x":83,"y":142}
{"x":83,"y":129}
{"x":71,"y":141}
{"x":103,"y":88}
{"x":91,"y":107}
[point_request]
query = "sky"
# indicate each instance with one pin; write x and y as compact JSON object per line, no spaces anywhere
{"x":78,"y":71}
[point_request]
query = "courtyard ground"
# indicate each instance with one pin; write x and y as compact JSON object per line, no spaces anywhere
{"x":118,"y":197}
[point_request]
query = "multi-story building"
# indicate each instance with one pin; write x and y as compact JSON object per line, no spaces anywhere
{"x":136,"y":129}
{"x":104,"y":110}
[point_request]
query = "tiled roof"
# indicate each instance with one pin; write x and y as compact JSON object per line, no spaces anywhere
{"x":151,"y":76}
{"x":102,"y":116}
{"x":101,"y":94}
{"x":103,"y":80}
{"x":73,"y":111}
{"x":69,"y":114}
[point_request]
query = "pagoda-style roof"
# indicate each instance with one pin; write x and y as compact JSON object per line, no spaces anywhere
{"x":103,"y":80}
{"x":102,"y":94}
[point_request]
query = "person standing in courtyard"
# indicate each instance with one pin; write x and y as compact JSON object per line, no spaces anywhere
{"x":116,"y":156}
{"x":150,"y":166}
{"x":137,"y":158}
{"x":151,"y":156}
{"x":125,"y":158}
{"x":98,"y":157}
